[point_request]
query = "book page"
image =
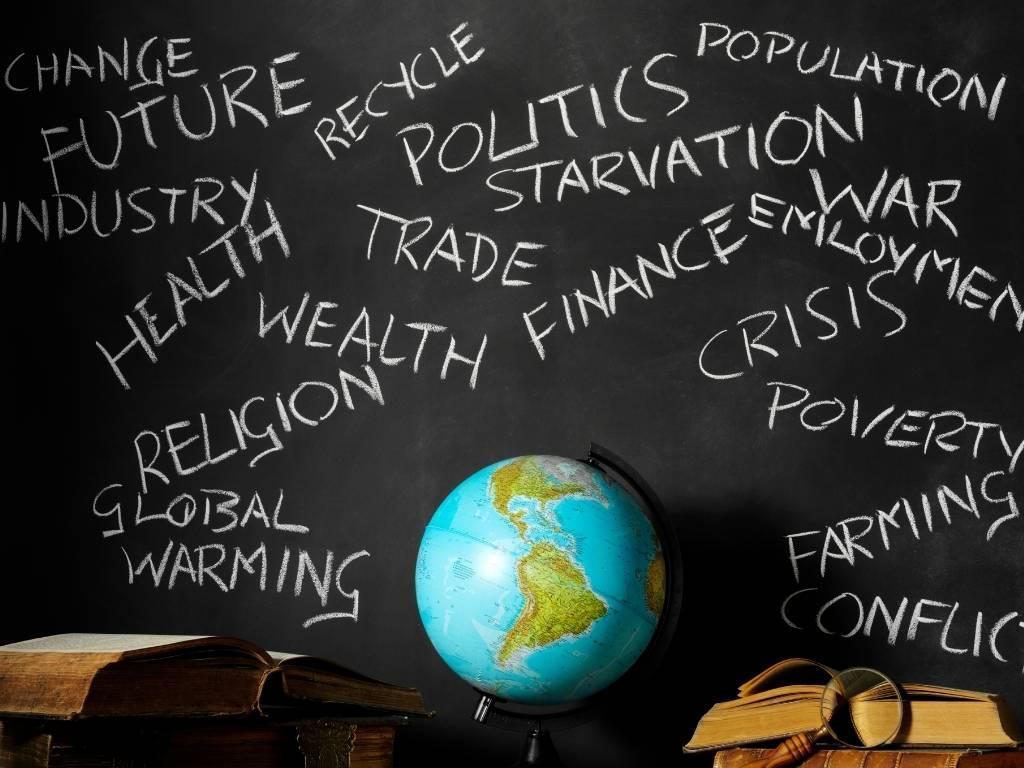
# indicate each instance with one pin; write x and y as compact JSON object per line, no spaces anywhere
{"x":84,"y":642}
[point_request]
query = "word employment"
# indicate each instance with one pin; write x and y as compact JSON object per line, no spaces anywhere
{"x":968,"y":285}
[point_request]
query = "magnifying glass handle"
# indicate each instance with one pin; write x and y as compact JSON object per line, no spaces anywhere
{"x":793,"y":750}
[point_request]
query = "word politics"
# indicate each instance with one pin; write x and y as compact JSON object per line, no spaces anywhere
{"x":359,"y":338}
{"x":711,"y":246}
{"x":940,"y":88}
{"x":226,"y":568}
{"x":409,"y":84}
{"x":577,"y":104}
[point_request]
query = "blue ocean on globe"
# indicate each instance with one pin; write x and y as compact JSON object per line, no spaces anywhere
{"x":540,"y":580}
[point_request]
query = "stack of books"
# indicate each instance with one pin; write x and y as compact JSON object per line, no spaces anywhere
{"x":941,"y":728}
{"x":70,"y":701}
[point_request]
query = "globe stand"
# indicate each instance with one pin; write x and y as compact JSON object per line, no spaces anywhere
{"x":538,"y":749}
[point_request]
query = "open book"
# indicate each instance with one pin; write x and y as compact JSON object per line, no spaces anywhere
{"x":934,"y":715}
{"x":73,"y":675}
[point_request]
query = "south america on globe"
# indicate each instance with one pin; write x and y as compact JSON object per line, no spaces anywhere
{"x":540,"y":580}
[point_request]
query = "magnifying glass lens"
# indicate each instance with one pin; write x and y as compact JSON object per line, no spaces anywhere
{"x":862,"y":708}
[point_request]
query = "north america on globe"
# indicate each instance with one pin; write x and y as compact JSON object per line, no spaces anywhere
{"x":540,"y":580}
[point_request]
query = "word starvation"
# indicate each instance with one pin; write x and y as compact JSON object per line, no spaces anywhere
{"x":786,"y":141}
{"x":968,"y":285}
{"x":709,"y":246}
{"x":139,"y":210}
{"x":860,"y":537}
{"x":939,"y":88}
{"x":204,"y":282}
{"x":395,"y":347}
{"x":913,"y":429}
{"x":153,"y":118}
{"x":765,"y":333}
{"x":357,"y":114}
{"x":507,"y":265}
{"x":227,"y":568}
{"x":848,"y":614}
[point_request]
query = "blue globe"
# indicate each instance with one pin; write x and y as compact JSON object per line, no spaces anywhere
{"x":540,"y":580}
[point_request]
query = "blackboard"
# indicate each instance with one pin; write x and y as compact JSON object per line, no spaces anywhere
{"x":767,"y":252}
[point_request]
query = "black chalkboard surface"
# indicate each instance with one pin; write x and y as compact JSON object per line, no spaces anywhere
{"x":280,"y":275}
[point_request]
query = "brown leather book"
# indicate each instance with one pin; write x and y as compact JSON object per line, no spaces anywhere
{"x":197,"y":743}
{"x":936,"y":716}
{"x":882,"y":758}
{"x":89,"y":675}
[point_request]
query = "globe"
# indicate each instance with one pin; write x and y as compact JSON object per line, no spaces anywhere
{"x":540,"y":580}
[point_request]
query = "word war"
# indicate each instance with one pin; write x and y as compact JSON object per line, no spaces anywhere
{"x":967,"y":285}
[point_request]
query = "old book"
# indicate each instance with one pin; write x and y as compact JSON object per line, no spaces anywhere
{"x":935,"y":715}
{"x":82,"y":675}
{"x":883,"y":758}
{"x":197,"y":743}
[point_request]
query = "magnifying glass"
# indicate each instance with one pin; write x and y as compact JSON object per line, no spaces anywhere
{"x":860,"y":708}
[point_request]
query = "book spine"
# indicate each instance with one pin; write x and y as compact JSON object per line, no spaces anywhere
{"x":882,"y":758}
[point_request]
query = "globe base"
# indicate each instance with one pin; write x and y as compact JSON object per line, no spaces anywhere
{"x":538,"y":750}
